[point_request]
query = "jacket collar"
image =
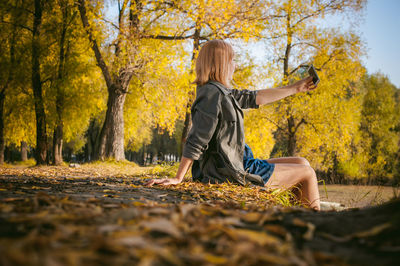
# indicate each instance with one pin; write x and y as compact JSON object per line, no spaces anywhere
{"x":221,"y":87}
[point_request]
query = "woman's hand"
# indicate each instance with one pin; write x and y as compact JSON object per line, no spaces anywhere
{"x":163,"y":181}
{"x":182,"y":169}
{"x":305,"y":84}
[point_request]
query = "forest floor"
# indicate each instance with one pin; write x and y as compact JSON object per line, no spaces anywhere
{"x":102,"y":214}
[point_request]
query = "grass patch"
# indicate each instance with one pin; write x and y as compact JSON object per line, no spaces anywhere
{"x":112,"y":162}
{"x":28,"y":163}
{"x":165,"y":170}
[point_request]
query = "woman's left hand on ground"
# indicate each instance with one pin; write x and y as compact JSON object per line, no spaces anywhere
{"x":305,"y":84}
{"x":163,"y":181}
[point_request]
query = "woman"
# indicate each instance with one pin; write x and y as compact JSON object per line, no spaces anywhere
{"x":215,"y":144}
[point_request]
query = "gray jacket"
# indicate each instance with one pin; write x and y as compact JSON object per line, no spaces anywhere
{"x":216,"y":139}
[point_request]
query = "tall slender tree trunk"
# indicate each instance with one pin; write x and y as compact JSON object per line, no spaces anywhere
{"x":188,"y":121}
{"x":91,"y":135}
{"x":291,"y":145}
{"x":4,"y":89}
{"x":24,"y":151}
{"x":41,"y":135}
{"x":291,"y":129}
{"x":2,"y":142}
{"x":58,"y":130}
{"x":57,"y":145}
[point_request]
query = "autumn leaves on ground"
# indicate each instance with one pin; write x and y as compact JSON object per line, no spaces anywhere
{"x":101,"y":213}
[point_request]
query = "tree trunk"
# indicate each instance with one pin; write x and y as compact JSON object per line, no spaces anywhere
{"x":58,"y":131}
{"x":143,"y":155}
{"x":112,"y":134}
{"x":87,"y":150}
{"x":91,"y":136}
{"x":11,"y":69}
{"x":41,"y":135}
{"x":69,"y":154}
{"x":2,"y":142}
{"x":291,"y":145}
{"x":188,"y":121}
{"x":288,"y":47}
{"x":57,"y":145}
{"x":24,"y":151}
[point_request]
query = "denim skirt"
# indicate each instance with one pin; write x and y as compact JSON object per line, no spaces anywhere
{"x":257,"y":166}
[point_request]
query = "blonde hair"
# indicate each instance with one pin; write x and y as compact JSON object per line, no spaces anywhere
{"x":214,"y":62}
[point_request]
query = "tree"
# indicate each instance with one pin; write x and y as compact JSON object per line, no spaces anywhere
{"x":41,"y":131}
{"x":379,"y":122}
{"x":14,"y":36}
{"x":72,"y":95}
{"x":202,"y":21}
{"x":304,"y":124}
{"x":7,"y":63}
{"x":17,"y":14}
{"x":70,"y":87}
{"x":58,"y":130}
{"x":117,"y":75}
{"x":17,"y":109}
{"x":299,"y":40}
{"x":158,"y":92}
{"x":175,"y":21}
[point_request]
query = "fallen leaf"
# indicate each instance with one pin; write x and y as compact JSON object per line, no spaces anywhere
{"x":251,"y":217}
{"x":133,"y":241}
{"x":260,"y":238}
{"x":162,"y":225}
{"x":274,"y":260}
{"x":215,"y":259}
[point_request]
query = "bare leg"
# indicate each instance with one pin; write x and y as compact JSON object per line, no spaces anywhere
{"x":288,"y":175}
{"x":291,"y":160}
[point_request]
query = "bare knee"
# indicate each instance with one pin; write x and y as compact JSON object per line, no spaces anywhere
{"x":309,"y":175}
{"x":303,"y":161}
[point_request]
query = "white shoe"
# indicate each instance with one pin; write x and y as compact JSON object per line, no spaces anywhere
{"x":332,"y":206}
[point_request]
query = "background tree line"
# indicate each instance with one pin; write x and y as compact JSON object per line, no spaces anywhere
{"x":93,"y":80}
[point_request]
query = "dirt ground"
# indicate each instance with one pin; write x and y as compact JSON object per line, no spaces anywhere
{"x":357,"y":196}
{"x":104,"y":215}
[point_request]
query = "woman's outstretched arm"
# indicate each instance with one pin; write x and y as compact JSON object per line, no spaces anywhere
{"x":274,"y":94}
{"x":183,"y":168}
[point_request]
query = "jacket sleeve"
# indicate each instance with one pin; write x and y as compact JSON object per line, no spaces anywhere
{"x":205,"y":113}
{"x":245,"y":98}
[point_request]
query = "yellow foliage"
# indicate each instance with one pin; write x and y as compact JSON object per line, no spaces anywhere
{"x":259,"y":132}
{"x":327,"y":119}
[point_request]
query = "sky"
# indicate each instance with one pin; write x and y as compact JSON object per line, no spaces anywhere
{"x":381,"y":32}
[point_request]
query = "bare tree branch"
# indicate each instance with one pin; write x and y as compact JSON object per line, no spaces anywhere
{"x":163,"y":37}
{"x":17,"y":25}
{"x":95,"y":47}
{"x":331,"y":57}
{"x":295,"y":69}
{"x":273,"y":122}
{"x":302,"y":121}
{"x":305,"y":43}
